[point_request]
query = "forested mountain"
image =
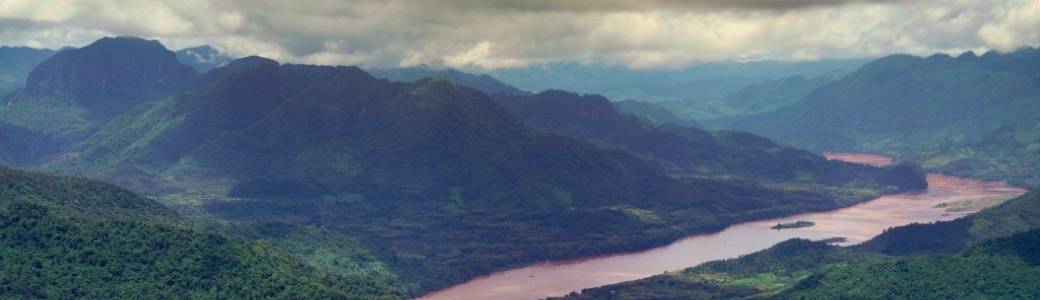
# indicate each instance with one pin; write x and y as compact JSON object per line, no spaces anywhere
{"x":203,"y":58}
{"x":77,"y":238}
{"x":15,"y":65}
{"x":484,"y":83}
{"x":965,"y":115}
{"x":76,"y":91}
{"x":991,"y":255}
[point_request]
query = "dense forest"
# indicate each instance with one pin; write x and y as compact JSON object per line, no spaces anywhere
{"x":77,"y":238}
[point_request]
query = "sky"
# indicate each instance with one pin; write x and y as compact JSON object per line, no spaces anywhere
{"x":494,"y":34}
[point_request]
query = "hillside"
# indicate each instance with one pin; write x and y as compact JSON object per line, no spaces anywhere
{"x":992,"y":254}
{"x":971,"y":115}
{"x":20,"y":146}
{"x":71,"y":237}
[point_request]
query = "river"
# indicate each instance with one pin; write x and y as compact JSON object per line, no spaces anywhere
{"x":946,"y":198}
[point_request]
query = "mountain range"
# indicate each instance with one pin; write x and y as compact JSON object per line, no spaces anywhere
{"x":484,"y":83}
{"x":429,"y":182}
{"x":694,"y":83}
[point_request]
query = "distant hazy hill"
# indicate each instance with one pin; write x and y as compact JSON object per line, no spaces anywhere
{"x":16,"y":63}
{"x":698,"y":82}
{"x":484,"y":83}
{"x":203,"y":58}
{"x":965,"y":115}
{"x":756,"y":98}
{"x":653,"y":112}
{"x":774,"y":94}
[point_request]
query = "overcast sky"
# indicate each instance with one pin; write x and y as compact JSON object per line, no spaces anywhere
{"x":490,"y":34}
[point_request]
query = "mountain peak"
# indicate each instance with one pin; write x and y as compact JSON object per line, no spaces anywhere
{"x":111,"y":74}
{"x":114,"y":43}
{"x":252,"y":61}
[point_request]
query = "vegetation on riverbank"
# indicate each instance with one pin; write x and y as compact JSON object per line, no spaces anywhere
{"x":992,"y":254}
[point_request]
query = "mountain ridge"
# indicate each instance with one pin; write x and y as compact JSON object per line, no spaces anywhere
{"x":972,"y":116}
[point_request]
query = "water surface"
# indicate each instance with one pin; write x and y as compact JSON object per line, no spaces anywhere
{"x":856,"y":223}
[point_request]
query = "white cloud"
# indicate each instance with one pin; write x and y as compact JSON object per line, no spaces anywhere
{"x":500,"y":34}
{"x":1016,"y":22}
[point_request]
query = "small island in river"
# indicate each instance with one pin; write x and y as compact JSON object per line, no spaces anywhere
{"x":798,"y":224}
{"x":834,"y":240}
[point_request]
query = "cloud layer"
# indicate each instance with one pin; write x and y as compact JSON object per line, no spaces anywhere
{"x":488,"y":34}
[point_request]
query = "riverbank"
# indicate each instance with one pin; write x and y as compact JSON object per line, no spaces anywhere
{"x":856,"y":223}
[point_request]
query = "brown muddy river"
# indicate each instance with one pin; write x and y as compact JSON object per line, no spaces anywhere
{"x":856,"y":223}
